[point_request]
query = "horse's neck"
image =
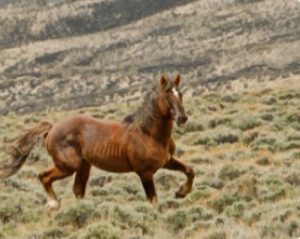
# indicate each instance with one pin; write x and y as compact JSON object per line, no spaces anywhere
{"x":152,"y":123}
{"x":161,"y":130}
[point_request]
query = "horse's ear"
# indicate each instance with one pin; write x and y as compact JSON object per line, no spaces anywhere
{"x":163,"y":81}
{"x":177,"y":80}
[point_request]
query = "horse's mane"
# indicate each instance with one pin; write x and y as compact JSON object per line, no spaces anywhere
{"x":147,"y":113}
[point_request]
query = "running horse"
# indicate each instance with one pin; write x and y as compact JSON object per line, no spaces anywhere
{"x":141,"y":143}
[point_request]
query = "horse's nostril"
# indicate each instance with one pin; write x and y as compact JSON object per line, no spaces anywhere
{"x":182,"y":118}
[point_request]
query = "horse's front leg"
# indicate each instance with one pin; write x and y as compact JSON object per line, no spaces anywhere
{"x":174,"y":164}
{"x":148,"y":185}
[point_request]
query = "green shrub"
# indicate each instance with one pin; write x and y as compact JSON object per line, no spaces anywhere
{"x":199,"y":194}
{"x":289,"y":145}
{"x":218,"y":121}
{"x":230,"y":98}
{"x":207,"y":141}
{"x":293,"y":117}
{"x":270,"y":101}
{"x":54,"y":233}
{"x":217,"y":235}
{"x":264,"y":161}
{"x":293,"y":229}
{"x":77,"y":214}
{"x":249,"y":137}
{"x":219,"y":138}
{"x":9,"y":212}
{"x":293,"y":178}
{"x":274,"y":195}
{"x":193,"y":127}
{"x":134,"y":219}
{"x":265,"y":142}
{"x":230,"y":172}
{"x":12,"y":210}
{"x":101,"y":231}
{"x":248,"y":123}
{"x":247,"y":188}
{"x":222,"y":202}
{"x":229,"y":138}
{"x":273,"y":180}
{"x":252,"y":217}
{"x":235,"y":210}
{"x":267,"y":117}
{"x":181,"y":218}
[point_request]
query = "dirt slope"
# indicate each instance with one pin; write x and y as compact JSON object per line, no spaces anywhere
{"x":69,"y":54}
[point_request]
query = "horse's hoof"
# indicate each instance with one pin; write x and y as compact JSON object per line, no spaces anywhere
{"x":182,"y":192}
{"x":53,"y":204}
{"x":179,"y":194}
{"x":153,"y":201}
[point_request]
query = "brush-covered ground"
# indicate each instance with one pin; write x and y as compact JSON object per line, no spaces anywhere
{"x":244,"y":148}
{"x":68,"y":54}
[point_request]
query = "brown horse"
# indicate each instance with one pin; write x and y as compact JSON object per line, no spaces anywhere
{"x":142,"y":143}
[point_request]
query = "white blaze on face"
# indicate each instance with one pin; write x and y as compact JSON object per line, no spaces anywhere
{"x":175,"y":92}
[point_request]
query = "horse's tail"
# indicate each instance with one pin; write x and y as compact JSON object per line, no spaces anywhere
{"x":20,"y":150}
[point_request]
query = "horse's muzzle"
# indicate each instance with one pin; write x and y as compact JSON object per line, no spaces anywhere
{"x":181,"y":120}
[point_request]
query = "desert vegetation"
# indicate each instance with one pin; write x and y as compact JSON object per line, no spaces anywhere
{"x":67,"y":54}
{"x":239,"y":60}
{"x":246,"y":159}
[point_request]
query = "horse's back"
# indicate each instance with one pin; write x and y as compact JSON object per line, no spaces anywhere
{"x":99,"y":142}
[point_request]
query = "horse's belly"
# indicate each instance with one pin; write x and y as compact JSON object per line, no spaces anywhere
{"x":111,"y":164}
{"x":109,"y":156}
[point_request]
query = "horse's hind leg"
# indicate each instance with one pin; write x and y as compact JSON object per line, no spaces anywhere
{"x":174,"y":164}
{"x":47,"y":178}
{"x":81,"y":179}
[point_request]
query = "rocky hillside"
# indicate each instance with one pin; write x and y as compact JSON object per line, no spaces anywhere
{"x":58,"y":55}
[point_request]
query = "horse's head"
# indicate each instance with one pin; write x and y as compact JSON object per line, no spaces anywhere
{"x":170,"y":100}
